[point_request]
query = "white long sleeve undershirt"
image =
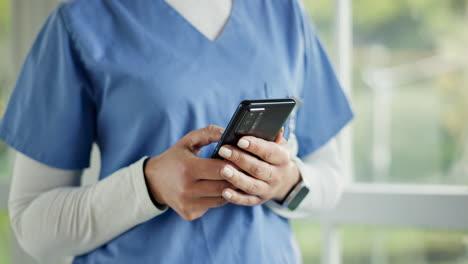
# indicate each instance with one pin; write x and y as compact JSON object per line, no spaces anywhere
{"x":54,"y":217}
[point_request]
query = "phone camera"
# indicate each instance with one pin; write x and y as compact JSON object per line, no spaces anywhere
{"x":249,"y":121}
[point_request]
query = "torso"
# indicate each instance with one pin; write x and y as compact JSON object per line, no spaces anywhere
{"x":155,"y":78}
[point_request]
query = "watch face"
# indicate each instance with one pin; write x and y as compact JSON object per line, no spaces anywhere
{"x":298,"y":198}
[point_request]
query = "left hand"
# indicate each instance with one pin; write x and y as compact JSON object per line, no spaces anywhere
{"x":270,"y":174}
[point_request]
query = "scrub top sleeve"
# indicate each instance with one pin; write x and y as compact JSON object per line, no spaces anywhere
{"x":51,"y":113}
{"x":325,"y":109}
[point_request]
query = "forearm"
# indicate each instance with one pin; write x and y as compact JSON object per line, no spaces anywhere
{"x":68,"y":221}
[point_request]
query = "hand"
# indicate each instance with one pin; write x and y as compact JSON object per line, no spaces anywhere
{"x":270,"y":176}
{"x":188,"y":184}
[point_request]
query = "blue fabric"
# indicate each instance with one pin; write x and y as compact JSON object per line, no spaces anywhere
{"x":134,"y":77}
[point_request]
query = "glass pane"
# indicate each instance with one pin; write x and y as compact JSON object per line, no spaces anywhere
{"x":410,"y":91}
{"x":5,"y":242}
{"x":308,"y":237}
{"x":5,"y":79}
{"x":362,"y":245}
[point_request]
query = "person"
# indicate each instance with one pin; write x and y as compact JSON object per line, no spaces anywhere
{"x":152,"y":82}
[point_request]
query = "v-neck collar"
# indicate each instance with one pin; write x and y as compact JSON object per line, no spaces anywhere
{"x":225,"y":31}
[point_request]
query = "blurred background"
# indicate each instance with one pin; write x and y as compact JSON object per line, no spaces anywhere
{"x":404,"y":64}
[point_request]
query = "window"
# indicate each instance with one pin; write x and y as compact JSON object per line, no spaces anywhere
{"x":410,"y":91}
{"x":409,"y":137}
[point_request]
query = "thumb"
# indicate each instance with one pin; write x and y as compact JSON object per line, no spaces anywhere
{"x":197,"y":139}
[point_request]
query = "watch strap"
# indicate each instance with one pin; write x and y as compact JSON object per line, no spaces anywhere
{"x":297,"y":194}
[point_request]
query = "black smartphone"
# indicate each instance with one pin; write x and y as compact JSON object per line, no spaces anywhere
{"x":259,"y":118}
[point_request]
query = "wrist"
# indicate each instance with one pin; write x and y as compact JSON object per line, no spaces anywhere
{"x":294,"y":177}
{"x":153,"y":194}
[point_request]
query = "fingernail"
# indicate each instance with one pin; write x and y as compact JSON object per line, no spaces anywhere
{"x":225,"y":152}
{"x":227,"y":172}
{"x":243,"y":143}
{"x":221,"y":130}
{"x":227,"y":195}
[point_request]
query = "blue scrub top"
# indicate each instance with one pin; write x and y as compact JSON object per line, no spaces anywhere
{"x":135,"y":76}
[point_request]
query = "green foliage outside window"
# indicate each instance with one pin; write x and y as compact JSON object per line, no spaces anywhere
{"x":5,"y":78}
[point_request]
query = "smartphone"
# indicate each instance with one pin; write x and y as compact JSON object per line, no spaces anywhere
{"x":258,"y":118}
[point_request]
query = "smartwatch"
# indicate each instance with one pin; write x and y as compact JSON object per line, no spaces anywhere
{"x":295,"y":196}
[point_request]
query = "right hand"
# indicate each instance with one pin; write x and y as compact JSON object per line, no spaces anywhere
{"x":188,"y":184}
